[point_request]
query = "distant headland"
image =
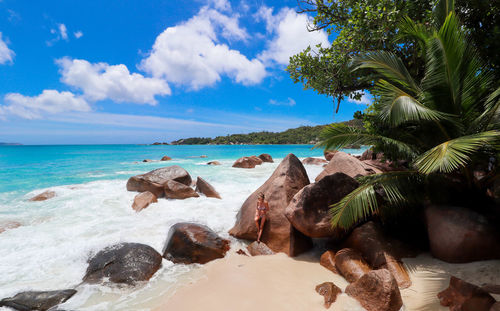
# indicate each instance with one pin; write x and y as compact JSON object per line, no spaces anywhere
{"x":294,"y":136}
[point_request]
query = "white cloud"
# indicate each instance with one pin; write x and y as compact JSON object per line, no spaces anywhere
{"x":103,"y":81}
{"x":6,"y":54}
{"x":63,"y":31}
{"x":78,"y":34}
{"x":289,"y":102}
{"x":366,"y":99}
{"x":290,"y":35}
{"x":191,"y":53}
{"x":222,"y":5}
{"x":49,"y":102}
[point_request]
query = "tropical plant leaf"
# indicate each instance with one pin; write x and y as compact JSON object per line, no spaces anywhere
{"x":455,"y":153}
{"x":399,"y":107}
{"x":337,"y":136}
{"x":409,"y":29}
{"x":389,"y":66}
{"x":363,"y":201}
{"x":441,"y":10}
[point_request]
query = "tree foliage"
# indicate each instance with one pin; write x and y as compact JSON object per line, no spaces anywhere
{"x":445,"y":125}
{"x":360,"y":26}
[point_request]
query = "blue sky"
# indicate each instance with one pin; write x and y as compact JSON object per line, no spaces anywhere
{"x":134,"y":71}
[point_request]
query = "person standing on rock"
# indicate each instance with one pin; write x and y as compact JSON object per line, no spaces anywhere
{"x":260,"y":214}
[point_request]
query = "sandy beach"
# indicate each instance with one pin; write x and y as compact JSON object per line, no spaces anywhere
{"x":279,"y":282}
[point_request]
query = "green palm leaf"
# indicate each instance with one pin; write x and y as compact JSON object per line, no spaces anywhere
{"x":389,"y":66}
{"x":363,"y":201}
{"x":455,"y":153}
{"x":337,"y":136}
{"x":399,"y":107}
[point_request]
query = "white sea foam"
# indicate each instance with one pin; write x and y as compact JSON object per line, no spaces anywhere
{"x":51,"y":248}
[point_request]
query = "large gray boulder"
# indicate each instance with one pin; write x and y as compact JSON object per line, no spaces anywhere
{"x":459,"y":235}
{"x":342,"y":162}
{"x":126,"y":263}
{"x":193,"y":243}
{"x":308,"y":210}
{"x":279,"y":234}
{"x":37,"y":300}
{"x":155,"y":180}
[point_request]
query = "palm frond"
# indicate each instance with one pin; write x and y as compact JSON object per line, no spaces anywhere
{"x":455,"y":153}
{"x":399,"y":107}
{"x":337,"y":136}
{"x":363,"y":201}
{"x":389,"y":66}
{"x":442,"y":83}
{"x":408,"y":29}
{"x":442,"y":9}
{"x":491,"y":114}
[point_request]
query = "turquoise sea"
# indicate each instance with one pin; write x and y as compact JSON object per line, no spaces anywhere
{"x":92,"y":210}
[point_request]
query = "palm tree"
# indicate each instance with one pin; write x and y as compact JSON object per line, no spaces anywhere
{"x":444,"y":125}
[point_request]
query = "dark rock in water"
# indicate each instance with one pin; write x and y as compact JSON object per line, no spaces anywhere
{"x":257,"y":249}
{"x":202,"y":186}
{"x":377,"y":290}
{"x":266,"y":158}
{"x":193,"y":243}
{"x":37,"y":300}
{"x":341,"y":162}
{"x":44,"y":196}
{"x":463,"y":296}
{"x":351,"y":264}
{"x":147,"y":160}
{"x":308,"y":211}
{"x":327,"y":260}
{"x":460,"y":235}
{"x":123,"y":263}
{"x":142,"y":200}
{"x":288,"y":178}
{"x":4,"y":226}
{"x":214,"y":163}
{"x":166,"y":158}
{"x":381,"y":251}
{"x":330,"y":291}
{"x":314,"y":161}
{"x":155,"y":180}
{"x":247,"y":162}
{"x":176,"y":190}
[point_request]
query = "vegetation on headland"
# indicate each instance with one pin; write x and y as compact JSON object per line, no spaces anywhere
{"x":436,"y":108}
{"x":300,"y":135}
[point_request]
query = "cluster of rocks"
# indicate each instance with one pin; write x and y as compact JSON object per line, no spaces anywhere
{"x":164,"y":158}
{"x":132,"y":263}
{"x":171,"y":182}
{"x":366,"y":257}
{"x":253,"y":161}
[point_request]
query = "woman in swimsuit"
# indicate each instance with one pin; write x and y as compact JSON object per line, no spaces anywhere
{"x":260,"y":214}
